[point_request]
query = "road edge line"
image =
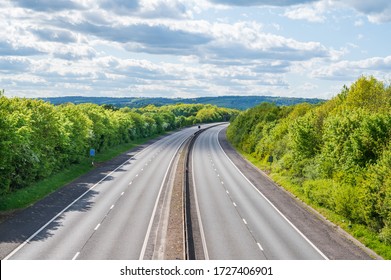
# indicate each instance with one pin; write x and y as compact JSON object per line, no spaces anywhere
{"x":200,"y":225}
{"x":67,"y":207}
{"x":278,"y":211}
{"x":145,"y":243}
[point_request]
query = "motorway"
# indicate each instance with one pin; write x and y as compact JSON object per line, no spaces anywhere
{"x":117,"y":214}
{"x":114,"y":218}
{"x":236,"y":220}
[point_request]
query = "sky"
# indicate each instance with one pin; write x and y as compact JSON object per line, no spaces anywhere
{"x":191,"y":48}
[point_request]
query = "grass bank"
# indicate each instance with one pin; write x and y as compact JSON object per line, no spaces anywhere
{"x":27,"y":196}
{"x":366,"y":236}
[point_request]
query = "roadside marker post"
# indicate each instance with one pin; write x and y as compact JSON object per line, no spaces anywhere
{"x":92,"y":154}
{"x":270,"y":160}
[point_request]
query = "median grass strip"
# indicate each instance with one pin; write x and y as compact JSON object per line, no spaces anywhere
{"x":29,"y":195}
{"x":360,"y":232}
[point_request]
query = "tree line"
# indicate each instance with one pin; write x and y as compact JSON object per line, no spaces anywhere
{"x":37,"y":139}
{"x":233,"y":102}
{"x":338,"y":153}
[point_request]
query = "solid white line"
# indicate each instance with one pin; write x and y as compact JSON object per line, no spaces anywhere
{"x":97,"y":226}
{"x":73,"y":202}
{"x":144,"y":247}
{"x":278,"y":211}
{"x":75,"y":256}
{"x":202,"y":233}
{"x":259,"y":245}
{"x":62,"y":211}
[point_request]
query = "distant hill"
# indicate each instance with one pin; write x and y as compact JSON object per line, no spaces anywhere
{"x":234,"y":102}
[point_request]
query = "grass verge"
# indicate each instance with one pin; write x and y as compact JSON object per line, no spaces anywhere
{"x":27,"y":196}
{"x":365,"y":235}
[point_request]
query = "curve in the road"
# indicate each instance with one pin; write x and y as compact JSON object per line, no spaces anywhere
{"x":237,"y":220}
{"x":112,"y":219}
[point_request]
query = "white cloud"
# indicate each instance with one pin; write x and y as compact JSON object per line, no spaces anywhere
{"x":165,"y":9}
{"x":8,"y":48}
{"x":377,"y":11}
{"x":10,"y":65}
{"x":176,"y":47}
{"x":310,"y":12}
{"x":350,"y":70}
{"x":308,"y":86}
{"x":319,"y":11}
{"x":245,"y":43}
{"x":261,"y":2}
{"x":120,"y":6}
{"x":55,"y":35}
{"x":381,"y":17}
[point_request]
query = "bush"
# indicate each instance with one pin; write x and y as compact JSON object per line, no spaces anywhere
{"x":320,"y":191}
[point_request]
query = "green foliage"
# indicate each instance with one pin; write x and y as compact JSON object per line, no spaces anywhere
{"x":337,"y":153}
{"x":385,"y":235}
{"x":233,"y":102}
{"x":369,"y":94}
{"x":38,"y":139}
{"x":305,"y":137}
{"x":320,"y":191}
{"x":247,"y":128}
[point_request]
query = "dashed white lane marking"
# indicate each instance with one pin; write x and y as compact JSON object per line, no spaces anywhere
{"x":65,"y":209}
{"x":272,"y":205}
{"x":132,"y":157}
{"x":112,"y":206}
{"x":227,"y":192}
{"x":130,"y":182}
{"x":142,"y":169}
{"x":75,"y":256}
{"x":259,"y":245}
{"x":97,"y":226}
{"x":234,"y":204}
{"x":222,"y":183}
{"x":122,"y":193}
{"x":244,"y":221}
{"x":137,"y":175}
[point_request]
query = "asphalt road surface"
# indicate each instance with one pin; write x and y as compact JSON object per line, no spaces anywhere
{"x":113,"y":218}
{"x":237,"y":221}
{"x":112,"y":212}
